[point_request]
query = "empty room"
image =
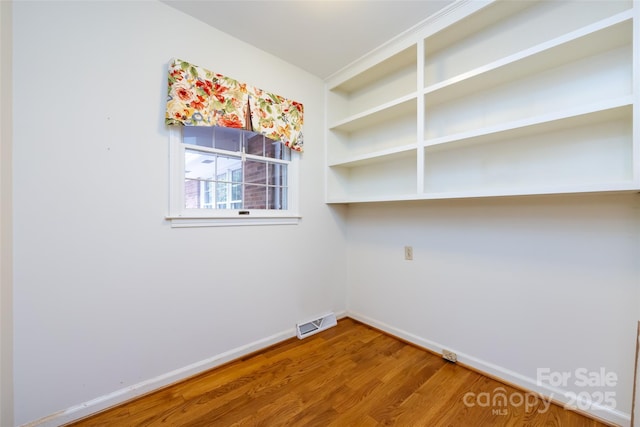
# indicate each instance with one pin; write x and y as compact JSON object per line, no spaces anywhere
{"x":319,"y":213}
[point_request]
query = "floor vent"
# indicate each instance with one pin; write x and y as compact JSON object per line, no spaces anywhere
{"x":314,"y":326}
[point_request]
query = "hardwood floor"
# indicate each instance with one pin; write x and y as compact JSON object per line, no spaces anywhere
{"x":349,"y":375}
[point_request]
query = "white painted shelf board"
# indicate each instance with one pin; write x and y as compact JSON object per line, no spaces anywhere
{"x":406,"y":58}
{"x":377,"y":198}
{"x":590,"y":113}
{"x":377,"y":156}
{"x":621,"y":187}
{"x":388,"y":111}
{"x":624,"y":186}
{"x":598,"y":37}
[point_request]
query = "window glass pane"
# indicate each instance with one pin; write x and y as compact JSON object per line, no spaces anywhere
{"x":255,"y":172}
{"x":229,"y":183}
{"x":277,"y":198}
{"x":236,"y":175}
{"x":277,"y":174}
{"x":226,"y":167}
{"x":276,"y":150}
{"x":198,"y":135}
{"x":227,"y":139}
{"x":236,"y":194}
{"x":255,"y":144}
{"x":259,"y":145}
{"x":207,"y":194}
{"x":199,"y":165}
{"x":228,"y":195}
{"x":255,"y":196}
{"x":192,"y":194}
{"x":222,"y":195}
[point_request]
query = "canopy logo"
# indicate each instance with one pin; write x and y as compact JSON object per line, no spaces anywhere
{"x":500,"y":401}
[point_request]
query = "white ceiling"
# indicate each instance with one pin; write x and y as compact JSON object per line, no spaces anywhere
{"x":319,"y":36}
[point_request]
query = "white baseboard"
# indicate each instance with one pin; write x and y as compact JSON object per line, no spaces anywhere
{"x":558,"y":395}
{"x":125,"y":394}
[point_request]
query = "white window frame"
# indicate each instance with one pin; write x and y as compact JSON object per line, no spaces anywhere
{"x":179,"y":216}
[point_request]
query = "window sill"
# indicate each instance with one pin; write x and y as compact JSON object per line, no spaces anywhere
{"x":231,"y":221}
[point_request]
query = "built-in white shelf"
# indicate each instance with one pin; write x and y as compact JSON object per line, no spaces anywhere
{"x":376,"y":156}
{"x":575,"y":117}
{"x":503,"y":29}
{"x":391,"y":176}
{"x":401,"y":107}
{"x":403,"y":62}
{"x":603,"y":36}
{"x":502,"y":99}
{"x":594,"y":150}
{"x":381,"y":87}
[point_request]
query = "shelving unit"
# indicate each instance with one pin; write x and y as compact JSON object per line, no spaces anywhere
{"x":506,"y":98}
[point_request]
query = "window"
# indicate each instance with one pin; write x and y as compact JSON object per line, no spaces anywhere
{"x":228,"y":176}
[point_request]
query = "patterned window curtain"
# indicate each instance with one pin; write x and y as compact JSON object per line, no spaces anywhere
{"x":199,"y":97}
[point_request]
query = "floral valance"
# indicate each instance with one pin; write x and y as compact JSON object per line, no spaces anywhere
{"x":199,"y":97}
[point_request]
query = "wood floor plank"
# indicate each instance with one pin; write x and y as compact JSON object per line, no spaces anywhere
{"x":421,"y":374}
{"x":428,"y":405}
{"x":349,"y":375}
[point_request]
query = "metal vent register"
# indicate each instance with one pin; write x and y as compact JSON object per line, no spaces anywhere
{"x":304,"y":329}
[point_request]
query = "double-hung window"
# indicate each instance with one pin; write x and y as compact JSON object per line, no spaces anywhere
{"x":229,"y":176}
{"x":234,"y":150}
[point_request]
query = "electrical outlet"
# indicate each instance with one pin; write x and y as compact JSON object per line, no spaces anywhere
{"x":450,"y":356}
{"x":408,"y":253}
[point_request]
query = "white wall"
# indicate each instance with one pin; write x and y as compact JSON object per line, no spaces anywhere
{"x":510,"y":284}
{"x":107,"y":295}
{"x":6,"y":255}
